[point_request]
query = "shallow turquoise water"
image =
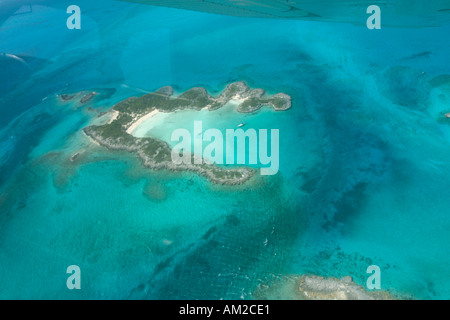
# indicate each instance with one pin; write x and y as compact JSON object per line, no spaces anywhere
{"x":363,"y":157}
{"x":200,"y":123}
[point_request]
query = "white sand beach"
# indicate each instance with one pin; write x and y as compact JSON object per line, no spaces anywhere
{"x":114,"y":115}
{"x":238,"y":99}
{"x":139,"y":121}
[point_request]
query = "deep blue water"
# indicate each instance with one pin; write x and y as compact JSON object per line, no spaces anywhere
{"x":363,"y":157}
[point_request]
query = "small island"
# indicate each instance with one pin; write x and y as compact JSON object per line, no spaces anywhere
{"x":156,"y":154}
{"x":313,"y":287}
{"x":320,"y":288}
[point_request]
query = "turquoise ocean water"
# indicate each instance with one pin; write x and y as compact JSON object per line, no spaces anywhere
{"x":364,"y":153}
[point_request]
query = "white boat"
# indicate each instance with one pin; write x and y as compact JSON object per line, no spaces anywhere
{"x":241,"y":124}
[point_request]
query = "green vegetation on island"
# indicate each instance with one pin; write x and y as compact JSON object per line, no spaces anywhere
{"x":155,"y":153}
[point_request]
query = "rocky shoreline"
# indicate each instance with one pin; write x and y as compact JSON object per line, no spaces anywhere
{"x":156,"y":154}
